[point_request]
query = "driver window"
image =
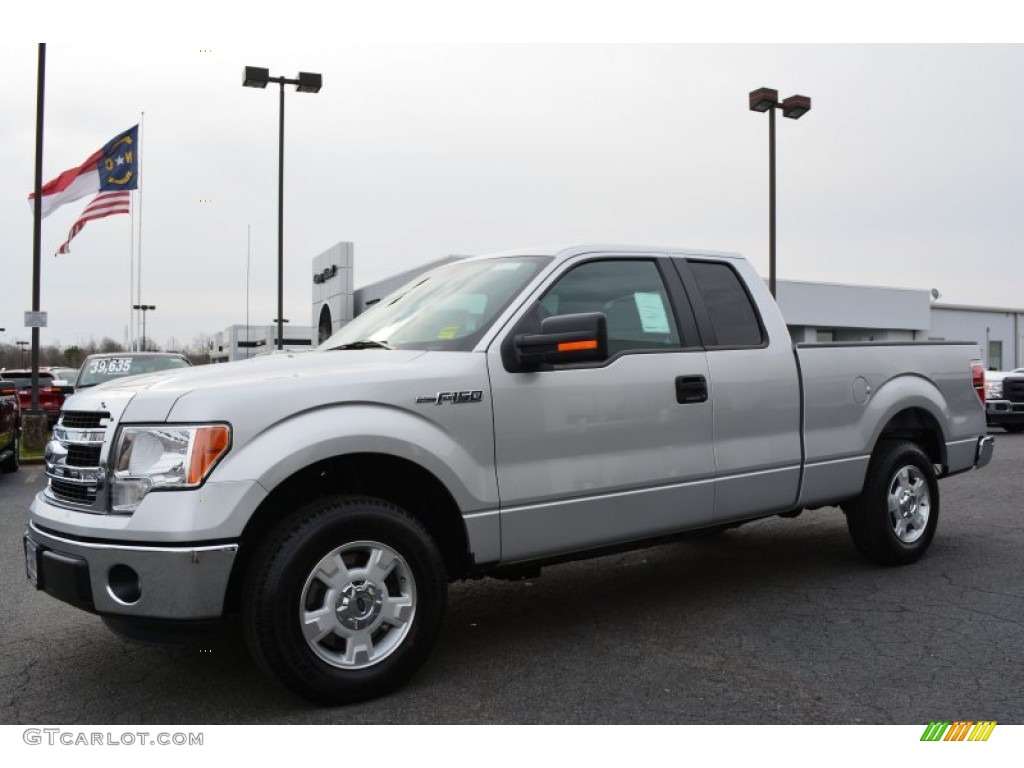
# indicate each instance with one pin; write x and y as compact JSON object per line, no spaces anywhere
{"x":630,"y":293}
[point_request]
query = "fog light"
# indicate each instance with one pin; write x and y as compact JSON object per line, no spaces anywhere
{"x":127,"y":493}
{"x":124,"y":584}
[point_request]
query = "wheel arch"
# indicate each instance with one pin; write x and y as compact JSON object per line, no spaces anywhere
{"x":392,"y":478}
{"x":917,"y":425}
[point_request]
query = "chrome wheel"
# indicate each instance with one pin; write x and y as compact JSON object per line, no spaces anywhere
{"x":893,"y":520}
{"x":909,"y":504}
{"x":358,"y":605}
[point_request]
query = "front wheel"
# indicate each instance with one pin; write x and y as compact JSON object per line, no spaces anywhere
{"x":1014,"y":428}
{"x":893,"y":520}
{"x":344,"y":600}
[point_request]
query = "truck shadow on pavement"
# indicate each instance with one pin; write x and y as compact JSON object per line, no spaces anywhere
{"x":645,"y":615}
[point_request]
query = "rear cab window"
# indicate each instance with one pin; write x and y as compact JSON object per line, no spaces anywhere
{"x":734,"y":318}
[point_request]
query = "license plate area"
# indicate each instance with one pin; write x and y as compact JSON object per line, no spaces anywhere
{"x":32,"y":562}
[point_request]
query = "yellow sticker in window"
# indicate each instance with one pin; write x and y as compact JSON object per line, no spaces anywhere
{"x":448,"y":332}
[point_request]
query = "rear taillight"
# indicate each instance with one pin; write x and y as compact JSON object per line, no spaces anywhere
{"x":978,"y":379}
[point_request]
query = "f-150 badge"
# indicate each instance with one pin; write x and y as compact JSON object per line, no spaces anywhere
{"x":467,"y":396}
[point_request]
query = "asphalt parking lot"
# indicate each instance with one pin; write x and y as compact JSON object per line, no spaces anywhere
{"x":779,"y":622}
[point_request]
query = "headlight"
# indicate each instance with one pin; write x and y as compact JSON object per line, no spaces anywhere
{"x":993,"y":390}
{"x":163,"y":457}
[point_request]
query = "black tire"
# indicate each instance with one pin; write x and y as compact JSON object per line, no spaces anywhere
{"x":12,"y":462}
{"x":893,"y":520}
{"x":1014,"y":428}
{"x":363,"y":652}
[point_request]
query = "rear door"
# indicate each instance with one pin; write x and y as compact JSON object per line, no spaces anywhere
{"x":592,"y":454}
{"x":754,"y":375}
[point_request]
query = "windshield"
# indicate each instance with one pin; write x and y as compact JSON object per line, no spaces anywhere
{"x":450,"y":308}
{"x":101,"y":369}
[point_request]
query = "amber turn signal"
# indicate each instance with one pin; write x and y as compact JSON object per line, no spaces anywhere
{"x":574,"y":346}
{"x":210,"y":443}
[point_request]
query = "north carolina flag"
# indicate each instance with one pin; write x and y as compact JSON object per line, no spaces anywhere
{"x":115,"y":167}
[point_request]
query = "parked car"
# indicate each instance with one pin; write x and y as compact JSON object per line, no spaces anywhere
{"x":101,"y":368}
{"x":67,"y":375}
{"x":496,"y":415}
{"x":10,"y":428}
{"x":51,"y":395}
{"x":1004,"y":399}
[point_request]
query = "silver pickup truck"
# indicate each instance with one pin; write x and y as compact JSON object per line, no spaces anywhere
{"x":495,"y":415}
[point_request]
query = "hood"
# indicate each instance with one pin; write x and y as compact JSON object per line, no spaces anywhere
{"x":153,"y":395}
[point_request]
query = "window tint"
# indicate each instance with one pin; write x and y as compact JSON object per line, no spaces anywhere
{"x":732,"y":314}
{"x":630,"y":293}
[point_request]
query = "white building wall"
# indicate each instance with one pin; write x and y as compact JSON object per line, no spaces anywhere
{"x":332,"y":287}
{"x":997,"y":332}
{"x":240,"y":342}
{"x":829,"y":305}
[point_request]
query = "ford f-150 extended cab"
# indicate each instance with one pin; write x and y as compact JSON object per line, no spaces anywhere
{"x":497,"y":414}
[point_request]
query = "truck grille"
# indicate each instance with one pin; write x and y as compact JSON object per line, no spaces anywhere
{"x":83,"y":419}
{"x":74,"y":463}
{"x":83,"y":455}
{"x":1013,"y":389}
{"x":73,"y":492}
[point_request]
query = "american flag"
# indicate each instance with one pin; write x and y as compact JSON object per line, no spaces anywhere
{"x":103,"y":205}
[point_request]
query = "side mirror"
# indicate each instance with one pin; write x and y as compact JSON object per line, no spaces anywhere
{"x":581,"y":338}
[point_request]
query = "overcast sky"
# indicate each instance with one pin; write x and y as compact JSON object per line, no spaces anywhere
{"x":907,"y":172}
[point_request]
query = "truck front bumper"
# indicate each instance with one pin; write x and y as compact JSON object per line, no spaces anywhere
{"x":999,"y":412}
{"x":182,"y":582}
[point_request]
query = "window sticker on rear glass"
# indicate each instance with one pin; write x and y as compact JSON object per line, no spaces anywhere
{"x":652,"y":312}
{"x":111,"y":365}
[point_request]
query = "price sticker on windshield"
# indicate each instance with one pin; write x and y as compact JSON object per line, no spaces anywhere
{"x":111,"y":365}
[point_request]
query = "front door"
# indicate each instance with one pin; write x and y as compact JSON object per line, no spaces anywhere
{"x":593,"y":454}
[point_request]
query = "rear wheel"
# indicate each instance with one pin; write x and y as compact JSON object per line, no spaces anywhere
{"x":893,"y":520}
{"x":345,"y":599}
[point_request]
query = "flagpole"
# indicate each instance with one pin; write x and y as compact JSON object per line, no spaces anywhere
{"x":248,"y":256}
{"x":130,"y":341}
{"x":142,"y":125}
{"x":37,"y":226}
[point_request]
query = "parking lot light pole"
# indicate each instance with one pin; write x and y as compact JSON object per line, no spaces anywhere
{"x":280,"y":324}
{"x":307,"y":82}
{"x":794,"y":107}
{"x":22,"y":344}
{"x":144,"y":308}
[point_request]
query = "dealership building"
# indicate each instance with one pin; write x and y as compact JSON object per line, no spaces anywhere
{"x":814,"y":312}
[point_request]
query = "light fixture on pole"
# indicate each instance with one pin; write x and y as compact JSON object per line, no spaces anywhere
{"x":794,"y":107}
{"x":144,"y":308}
{"x":307,"y":82}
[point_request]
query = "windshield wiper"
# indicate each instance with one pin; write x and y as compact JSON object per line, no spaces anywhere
{"x":364,"y":344}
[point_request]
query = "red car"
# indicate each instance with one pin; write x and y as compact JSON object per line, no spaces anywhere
{"x":51,"y":398}
{"x":10,"y":428}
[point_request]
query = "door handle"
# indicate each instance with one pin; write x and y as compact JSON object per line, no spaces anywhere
{"x":691,"y":389}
